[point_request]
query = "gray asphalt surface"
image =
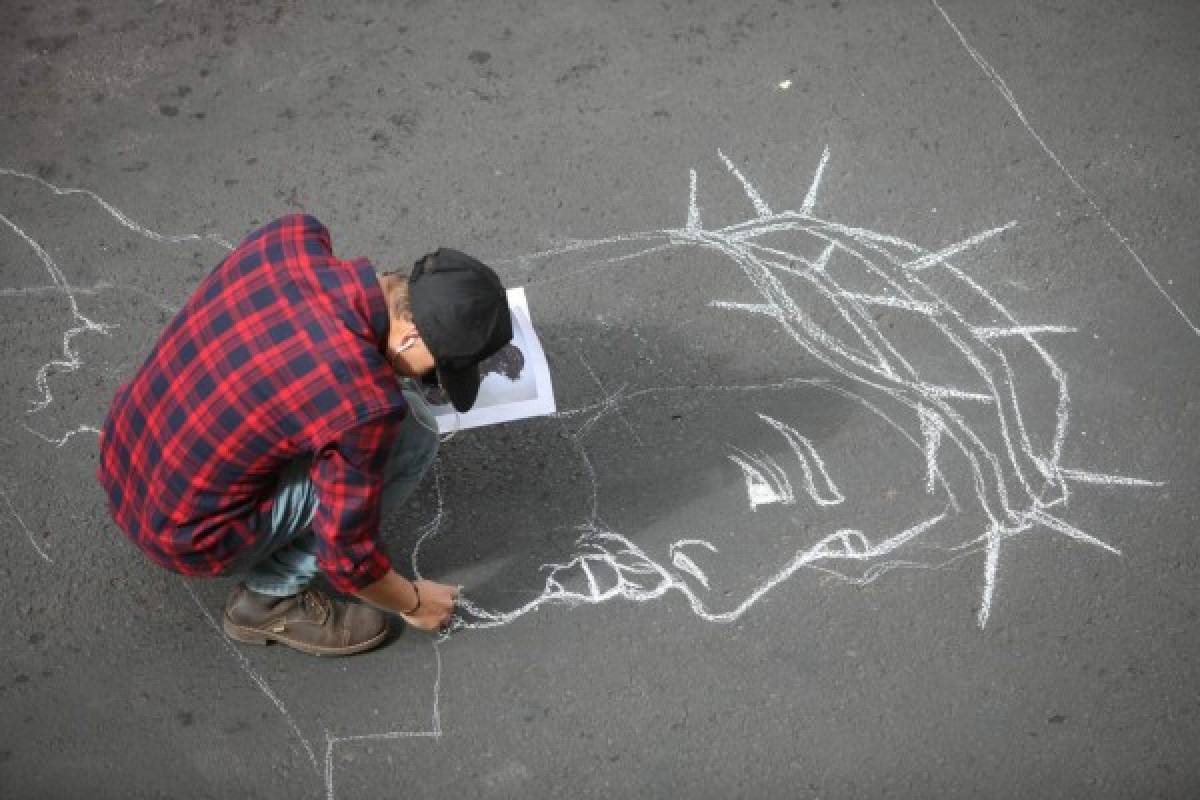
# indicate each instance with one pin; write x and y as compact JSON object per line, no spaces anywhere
{"x":512,"y":129}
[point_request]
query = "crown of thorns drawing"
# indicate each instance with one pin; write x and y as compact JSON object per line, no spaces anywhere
{"x":829,"y":275}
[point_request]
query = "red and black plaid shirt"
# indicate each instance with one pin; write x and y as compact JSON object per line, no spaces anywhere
{"x":277,"y":355}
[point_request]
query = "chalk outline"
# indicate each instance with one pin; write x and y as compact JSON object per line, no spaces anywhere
{"x":1011,"y":99}
{"x":70,"y":360}
{"x":21,"y":523}
{"x":873,"y":364}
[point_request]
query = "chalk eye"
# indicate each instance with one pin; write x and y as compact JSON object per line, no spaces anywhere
{"x":766,"y":481}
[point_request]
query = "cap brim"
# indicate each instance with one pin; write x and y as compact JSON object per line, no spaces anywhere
{"x":461,"y":384}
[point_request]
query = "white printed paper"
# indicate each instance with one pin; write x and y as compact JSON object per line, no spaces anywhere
{"x":516,"y":381}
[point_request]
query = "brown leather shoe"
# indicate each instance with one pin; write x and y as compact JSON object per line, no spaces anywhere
{"x":311,"y":622}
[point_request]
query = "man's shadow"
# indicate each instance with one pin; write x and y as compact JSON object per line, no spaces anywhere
{"x":646,"y":424}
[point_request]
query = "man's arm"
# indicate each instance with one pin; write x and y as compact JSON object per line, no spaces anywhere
{"x":430,"y":604}
{"x":347,"y":474}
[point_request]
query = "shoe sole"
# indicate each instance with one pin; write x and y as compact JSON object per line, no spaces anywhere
{"x":255,"y":636}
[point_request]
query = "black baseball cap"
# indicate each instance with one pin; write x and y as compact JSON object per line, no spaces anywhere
{"x":460,"y":309}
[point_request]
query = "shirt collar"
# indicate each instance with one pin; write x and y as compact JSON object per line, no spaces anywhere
{"x":377,"y":313}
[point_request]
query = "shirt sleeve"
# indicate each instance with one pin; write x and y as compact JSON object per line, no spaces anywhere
{"x":348,"y":474}
{"x":303,"y":231}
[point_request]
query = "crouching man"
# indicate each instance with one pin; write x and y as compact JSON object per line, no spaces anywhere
{"x":269,"y":432}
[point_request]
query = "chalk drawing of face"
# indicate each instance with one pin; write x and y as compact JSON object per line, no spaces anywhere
{"x":740,"y":515}
{"x":800,"y":477}
{"x":943,"y":371}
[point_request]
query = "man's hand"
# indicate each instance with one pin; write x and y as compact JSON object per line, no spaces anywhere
{"x":397,"y":594}
{"x":437,"y":604}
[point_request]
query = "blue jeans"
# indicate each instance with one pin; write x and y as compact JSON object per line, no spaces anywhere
{"x":284,"y":561}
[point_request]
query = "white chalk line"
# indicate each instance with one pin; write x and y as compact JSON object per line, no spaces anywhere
{"x":255,"y":678}
{"x":760,"y":205}
{"x":810,"y":199}
{"x":434,"y":731}
{"x":941,"y":256}
{"x":985,"y":332}
{"x":876,"y":366}
{"x":117,"y":214}
{"x":70,"y":360}
{"x":766,"y":481}
{"x":684,"y":562}
{"x":21,"y":523}
{"x":1083,"y":476}
{"x":931,"y":429}
{"x":97,"y":288}
{"x":29,"y":291}
{"x":1011,"y":99}
{"x":611,"y":402}
{"x":637,"y":577}
{"x":431,"y":528}
{"x":811,"y":464}
{"x":60,"y":441}
{"x":426,"y":532}
{"x":762,"y":309}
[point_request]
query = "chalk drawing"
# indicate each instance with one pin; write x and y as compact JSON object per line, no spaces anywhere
{"x":681,"y":559}
{"x":59,"y":441}
{"x":21,"y":524}
{"x":1011,"y":99}
{"x":70,"y":360}
{"x":326,"y":768}
{"x":767,"y":482}
{"x":611,"y":402}
{"x":810,"y":462}
{"x":1018,"y":483}
{"x":433,"y":732}
{"x":117,"y":214}
{"x":255,"y":678}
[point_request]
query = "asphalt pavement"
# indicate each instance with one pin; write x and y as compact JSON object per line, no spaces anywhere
{"x":874,"y":335}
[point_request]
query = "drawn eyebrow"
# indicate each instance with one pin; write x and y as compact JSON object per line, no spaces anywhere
{"x":827,"y":494}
